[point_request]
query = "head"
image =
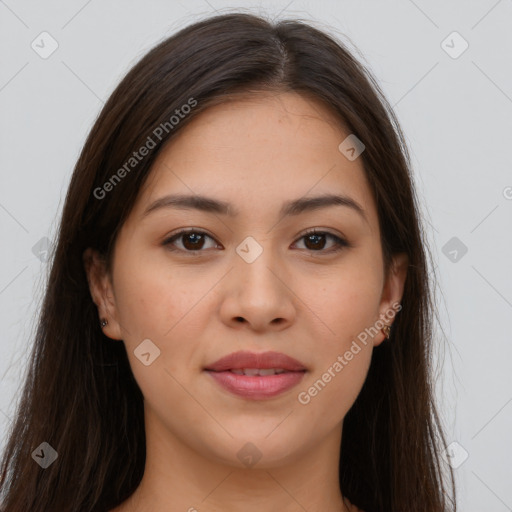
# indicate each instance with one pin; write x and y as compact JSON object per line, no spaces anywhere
{"x":254,"y":118}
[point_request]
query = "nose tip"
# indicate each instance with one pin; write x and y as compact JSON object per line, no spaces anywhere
{"x":255,"y":294}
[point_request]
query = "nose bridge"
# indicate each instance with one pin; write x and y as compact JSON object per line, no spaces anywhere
{"x":257,"y":263}
{"x":256,"y":292}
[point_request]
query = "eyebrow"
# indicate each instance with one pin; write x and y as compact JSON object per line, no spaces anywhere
{"x":293,"y":207}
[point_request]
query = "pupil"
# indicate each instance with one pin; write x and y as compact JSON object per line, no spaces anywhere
{"x":196,"y":237}
{"x":310,"y":237}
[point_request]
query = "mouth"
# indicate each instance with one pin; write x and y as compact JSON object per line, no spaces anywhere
{"x":257,"y":376}
{"x":257,"y":372}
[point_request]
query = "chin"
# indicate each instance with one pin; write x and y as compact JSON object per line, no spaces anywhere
{"x":259,"y":450}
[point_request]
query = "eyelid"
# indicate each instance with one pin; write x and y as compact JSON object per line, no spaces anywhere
{"x":319,"y":231}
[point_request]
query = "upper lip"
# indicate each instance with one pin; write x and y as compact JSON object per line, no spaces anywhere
{"x":244,"y":359}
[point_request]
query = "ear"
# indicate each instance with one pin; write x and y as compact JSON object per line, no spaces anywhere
{"x":100,"y":286}
{"x":392,"y":293}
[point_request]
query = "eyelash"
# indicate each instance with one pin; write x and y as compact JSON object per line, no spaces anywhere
{"x":341,"y":243}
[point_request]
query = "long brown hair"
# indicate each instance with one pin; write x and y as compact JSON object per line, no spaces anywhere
{"x":79,"y":393}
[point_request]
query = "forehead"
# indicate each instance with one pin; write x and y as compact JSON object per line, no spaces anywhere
{"x":258,"y":152}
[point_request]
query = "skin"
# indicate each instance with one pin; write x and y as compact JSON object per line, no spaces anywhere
{"x":255,"y":153}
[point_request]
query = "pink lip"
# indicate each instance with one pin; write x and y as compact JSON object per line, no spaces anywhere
{"x":257,"y":387}
{"x":244,"y":359}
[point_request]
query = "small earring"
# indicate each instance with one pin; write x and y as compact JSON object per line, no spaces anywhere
{"x":104,"y":322}
{"x":387,"y":330}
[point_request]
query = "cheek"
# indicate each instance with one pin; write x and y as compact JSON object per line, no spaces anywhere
{"x":345,"y":302}
{"x":333,"y":388}
{"x":345,"y":305}
{"x":152,"y":299}
{"x":171,"y":309}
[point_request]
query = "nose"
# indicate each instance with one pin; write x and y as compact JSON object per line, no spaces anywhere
{"x":258,"y":295}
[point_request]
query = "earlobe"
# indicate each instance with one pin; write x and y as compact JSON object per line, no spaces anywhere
{"x":100,"y":287}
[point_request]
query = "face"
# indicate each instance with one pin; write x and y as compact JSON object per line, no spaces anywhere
{"x":252,"y":278}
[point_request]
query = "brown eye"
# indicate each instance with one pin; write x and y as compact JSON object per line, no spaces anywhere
{"x":191,"y":240}
{"x":316,"y":240}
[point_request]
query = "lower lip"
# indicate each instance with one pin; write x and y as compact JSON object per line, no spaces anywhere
{"x":257,"y":387}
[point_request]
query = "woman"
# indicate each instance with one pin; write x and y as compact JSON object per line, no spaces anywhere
{"x":238,"y":312}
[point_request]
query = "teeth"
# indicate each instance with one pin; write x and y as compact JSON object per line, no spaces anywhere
{"x":267,"y":371}
{"x":253,"y":372}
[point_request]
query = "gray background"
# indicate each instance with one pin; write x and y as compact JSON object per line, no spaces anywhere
{"x":456,"y":114}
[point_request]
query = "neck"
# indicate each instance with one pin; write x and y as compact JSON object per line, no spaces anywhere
{"x":179,"y":477}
